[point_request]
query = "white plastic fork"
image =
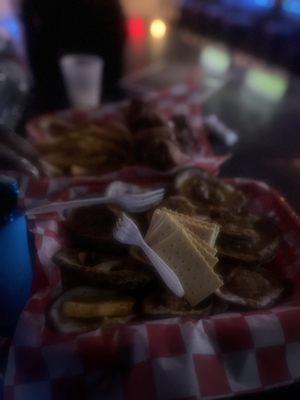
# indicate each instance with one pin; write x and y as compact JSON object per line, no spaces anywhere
{"x":128,"y":202}
{"x":127,"y":232}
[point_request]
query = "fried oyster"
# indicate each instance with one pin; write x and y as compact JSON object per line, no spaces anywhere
{"x":208,"y":193}
{"x":246,"y":238}
{"x":251,"y":288}
{"x":92,"y":227}
{"x":83,"y":309}
{"x":82,"y":266}
{"x":166,"y":304}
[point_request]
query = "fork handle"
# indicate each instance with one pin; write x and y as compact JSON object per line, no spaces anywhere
{"x":64,"y":205}
{"x":165,"y":272}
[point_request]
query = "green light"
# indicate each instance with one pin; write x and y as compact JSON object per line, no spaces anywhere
{"x":215,"y":60}
{"x":268,"y":84}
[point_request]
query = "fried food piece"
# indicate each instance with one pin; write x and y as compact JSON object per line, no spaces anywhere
{"x":89,"y":149}
{"x":251,"y":288}
{"x":161,"y":153}
{"x":208,"y":193}
{"x":247,"y":238}
{"x":92,"y":146}
{"x":84,"y":309}
{"x":166,"y":304}
{"x":158,"y":153}
{"x":93,"y":226}
{"x":50,"y":146}
{"x":184,"y":135}
{"x":115,"y":132}
{"x":93,"y":170}
{"x":141,"y":115}
{"x":56,"y":126}
{"x":78,"y":170}
{"x":82,"y":164}
{"x":83,"y":266}
{"x":94,"y":307}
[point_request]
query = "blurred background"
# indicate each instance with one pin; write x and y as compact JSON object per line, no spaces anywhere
{"x":130,"y":35}
{"x":267,"y":28}
{"x":244,"y":54}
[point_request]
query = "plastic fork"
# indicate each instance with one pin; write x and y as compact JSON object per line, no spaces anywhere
{"x":134,"y":203}
{"x":127,"y":232}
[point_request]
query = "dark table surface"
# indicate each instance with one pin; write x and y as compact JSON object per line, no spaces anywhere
{"x":269,"y":145}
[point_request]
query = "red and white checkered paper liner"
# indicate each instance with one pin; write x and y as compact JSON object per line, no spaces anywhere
{"x":222,"y":355}
{"x":178,"y":99}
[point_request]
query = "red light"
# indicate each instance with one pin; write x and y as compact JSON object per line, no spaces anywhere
{"x":136,"y":29}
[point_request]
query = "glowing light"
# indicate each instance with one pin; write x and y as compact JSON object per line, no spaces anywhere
{"x":268,"y":84}
{"x":158,"y":29}
{"x":136,"y":29}
{"x":215,"y":60}
{"x":291,"y":7}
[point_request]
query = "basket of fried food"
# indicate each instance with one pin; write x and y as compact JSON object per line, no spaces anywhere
{"x":140,"y":137}
{"x":222,"y":255}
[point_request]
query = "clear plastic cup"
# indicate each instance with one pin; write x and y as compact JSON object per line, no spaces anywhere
{"x":83,"y":79}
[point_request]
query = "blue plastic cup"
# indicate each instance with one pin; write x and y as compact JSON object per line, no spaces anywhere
{"x":15,"y":258}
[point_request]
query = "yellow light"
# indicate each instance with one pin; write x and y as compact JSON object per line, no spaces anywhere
{"x":158,"y":29}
